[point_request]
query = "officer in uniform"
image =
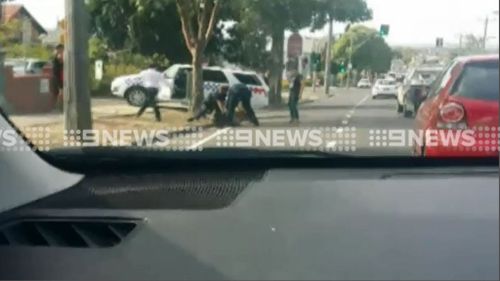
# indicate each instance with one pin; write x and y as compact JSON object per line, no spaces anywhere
{"x":214,"y":102}
{"x":240,"y":94}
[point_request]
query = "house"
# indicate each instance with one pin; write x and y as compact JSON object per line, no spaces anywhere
{"x":11,"y":12}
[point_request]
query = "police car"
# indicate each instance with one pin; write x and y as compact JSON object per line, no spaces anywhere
{"x":173,"y":86}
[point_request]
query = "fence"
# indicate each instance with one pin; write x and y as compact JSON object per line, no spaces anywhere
{"x":28,"y":94}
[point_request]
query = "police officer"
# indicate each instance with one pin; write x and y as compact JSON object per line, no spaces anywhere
{"x":215,"y":101}
{"x":240,"y":94}
{"x":151,"y":78}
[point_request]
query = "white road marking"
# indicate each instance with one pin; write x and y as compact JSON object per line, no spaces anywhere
{"x":353,"y":110}
{"x":209,"y":138}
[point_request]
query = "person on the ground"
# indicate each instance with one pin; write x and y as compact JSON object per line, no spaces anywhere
{"x":151,"y":78}
{"x":58,"y":75}
{"x":240,"y":94}
{"x":214,"y":102}
{"x":294,"y":98}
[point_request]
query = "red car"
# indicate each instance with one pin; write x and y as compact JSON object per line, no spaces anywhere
{"x":459,"y":116}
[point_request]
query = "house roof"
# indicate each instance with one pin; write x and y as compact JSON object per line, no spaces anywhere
{"x":10,"y":11}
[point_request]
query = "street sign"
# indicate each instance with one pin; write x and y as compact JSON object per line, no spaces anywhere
{"x":349,"y":66}
{"x":295,"y":45}
{"x":99,"y":70}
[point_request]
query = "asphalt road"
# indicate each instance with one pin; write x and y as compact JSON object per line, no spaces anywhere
{"x":350,"y":123}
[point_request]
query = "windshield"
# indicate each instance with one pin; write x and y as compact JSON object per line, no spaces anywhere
{"x":168,"y":76}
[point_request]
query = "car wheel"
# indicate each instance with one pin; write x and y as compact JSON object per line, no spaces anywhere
{"x":374,"y":97}
{"x":136,"y":96}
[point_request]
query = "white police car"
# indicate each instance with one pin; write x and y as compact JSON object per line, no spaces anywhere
{"x":173,"y":86}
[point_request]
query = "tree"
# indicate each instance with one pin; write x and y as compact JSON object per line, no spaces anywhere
{"x":271,"y":18}
{"x":369,"y":50}
{"x":404,"y":53}
{"x":328,"y":11}
{"x":199,"y":18}
{"x":147,"y":27}
{"x":473,"y":43}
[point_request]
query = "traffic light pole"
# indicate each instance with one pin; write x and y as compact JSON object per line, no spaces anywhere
{"x":328,"y":56}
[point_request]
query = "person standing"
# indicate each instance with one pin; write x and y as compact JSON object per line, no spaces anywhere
{"x":240,"y":94}
{"x":215,"y":101}
{"x":294,"y":98}
{"x":58,"y":75}
{"x":151,"y":78}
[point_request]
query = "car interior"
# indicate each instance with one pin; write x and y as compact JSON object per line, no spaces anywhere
{"x":98,"y":214}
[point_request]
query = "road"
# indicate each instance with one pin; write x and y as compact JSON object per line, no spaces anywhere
{"x":347,"y":123}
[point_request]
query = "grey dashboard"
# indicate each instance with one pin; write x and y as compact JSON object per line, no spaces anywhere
{"x":295,"y":225}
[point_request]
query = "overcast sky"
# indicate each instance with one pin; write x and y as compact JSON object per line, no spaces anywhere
{"x":413,"y":22}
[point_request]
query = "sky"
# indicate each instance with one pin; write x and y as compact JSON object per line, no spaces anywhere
{"x":413,"y":22}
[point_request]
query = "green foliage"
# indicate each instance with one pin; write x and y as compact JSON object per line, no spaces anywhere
{"x":98,"y":50}
{"x":369,"y":51}
{"x":9,"y":39}
{"x":340,"y":11}
{"x":120,"y":64}
{"x":34,"y":51}
{"x":10,"y":32}
{"x":146,"y":27}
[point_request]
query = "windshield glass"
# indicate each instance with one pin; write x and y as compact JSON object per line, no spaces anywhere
{"x":265,"y":75}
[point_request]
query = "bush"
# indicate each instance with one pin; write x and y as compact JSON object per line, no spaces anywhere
{"x":120,"y":64}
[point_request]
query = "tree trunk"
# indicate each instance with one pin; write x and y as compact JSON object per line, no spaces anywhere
{"x":198,"y":92}
{"x":276,"y":74}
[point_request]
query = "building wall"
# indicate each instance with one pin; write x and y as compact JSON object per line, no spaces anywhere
{"x":35,"y":35}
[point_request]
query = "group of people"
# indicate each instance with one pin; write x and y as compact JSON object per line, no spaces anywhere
{"x":223,"y":104}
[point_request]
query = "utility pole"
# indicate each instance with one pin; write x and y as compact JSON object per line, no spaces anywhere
{"x":485,"y":36}
{"x":3,"y":101}
{"x":77,"y":114}
{"x":328,"y":55}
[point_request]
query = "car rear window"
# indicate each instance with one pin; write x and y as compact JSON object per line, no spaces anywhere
{"x":387,"y":82}
{"x":248,"y":79}
{"x":479,"y":81}
{"x":214,"y":76}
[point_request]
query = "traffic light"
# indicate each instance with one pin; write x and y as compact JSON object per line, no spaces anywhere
{"x":384,"y":30}
{"x":342,"y":68}
{"x":316,"y":62}
{"x":439,"y":42}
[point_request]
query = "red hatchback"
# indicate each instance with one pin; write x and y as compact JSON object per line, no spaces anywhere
{"x":459,"y":116}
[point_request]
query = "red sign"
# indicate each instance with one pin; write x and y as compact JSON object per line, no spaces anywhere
{"x":295,"y":43}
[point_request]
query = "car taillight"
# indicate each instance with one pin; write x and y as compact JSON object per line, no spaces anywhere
{"x":452,"y":116}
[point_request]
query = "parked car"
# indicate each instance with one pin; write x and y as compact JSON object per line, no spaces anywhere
{"x":364,"y":83}
{"x":464,"y":97}
{"x":174,"y":85}
{"x":384,"y":88}
{"x":26,"y":66}
{"x":411,"y":91}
